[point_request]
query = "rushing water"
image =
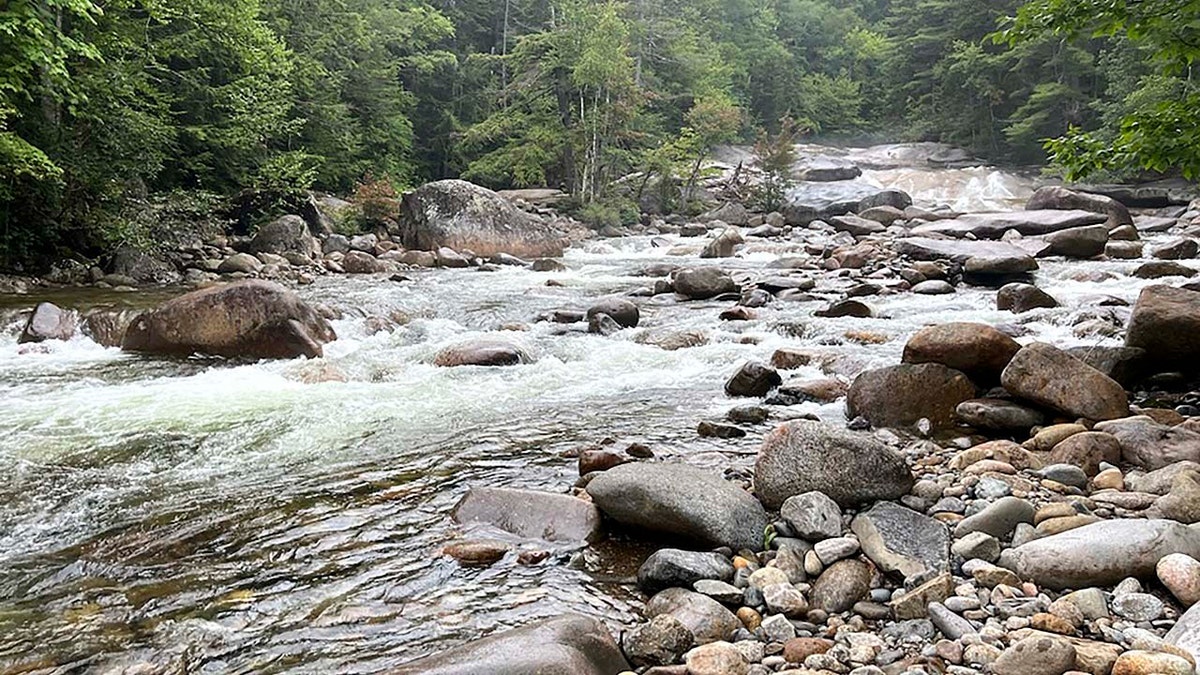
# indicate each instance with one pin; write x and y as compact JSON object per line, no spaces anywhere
{"x":205,"y":516}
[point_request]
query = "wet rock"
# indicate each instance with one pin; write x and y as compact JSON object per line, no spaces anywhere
{"x":477,"y":552}
{"x":901,"y":540}
{"x":753,"y":379}
{"x":844,"y":583}
{"x":844,"y":308}
{"x":1087,"y":451}
{"x":1180,"y":249}
{"x":1163,"y":269}
{"x":603,"y":324}
{"x":1101,"y":553}
{"x":933,"y":287}
{"x":1020,"y":298}
{"x":568,"y":644}
{"x":706,"y":619}
{"x":716,"y":658}
{"x":1124,"y":250}
{"x":462,"y":216}
{"x":1049,"y":376}
{"x":850,"y":468}
{"x":107,"y":327}
{"x":1036,"y":656}
{"x":240,"y":263}
{"x":962,"y":250}
{"x":622,"y":311}
{"x":1166,"y":324}
{"x":681,"y":500}
{"x":997,"y":415}
{"x":285,"y":235}
{"x":671,"y":568}
{"x":48,"y":322}
{"x":810,"y":201}
{"x":978,"y":350}
{"x":248,"y":319}
{"x":1180,"y":574}
{"x":725,"y":245}
{"x":482,"y":352}
{"x":1078,"y":242}
{"x":529,"y":513}
{"x":998,"y":519}
{"x":661,"y":642}
{"x":1151,"y":445}
{"x":994,"y":225}
{"x":812,"y":516}
{"x":1138,"y":662}
{"x":1060,"y":198}
{"x":703,"y":283}
{"x":900,"y":396}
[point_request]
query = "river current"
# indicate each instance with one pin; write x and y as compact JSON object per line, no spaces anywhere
{"x":203,"y":516}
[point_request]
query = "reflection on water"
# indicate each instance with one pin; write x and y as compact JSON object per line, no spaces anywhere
{"x":206,"y":516}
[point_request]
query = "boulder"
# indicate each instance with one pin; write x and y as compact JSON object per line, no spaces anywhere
{"x":753,"y":379}
{"x":48,"y":322}
{"x":1036,"y":656}
{"x":960,"y":251}
{"x":994,"y":225}
{"x":1166,"y":324}
{"x":900,"y":540}
{"x":569,"y":644}
{"x":144,"y":269}
{"x":532,"y":514}
{"x":1180,"y":249}
{"x":482,"y":352}
{"x":725,"y":245}
{"x":1185,"y":634}
{"x":706,"y":618}
{"x":247,"y":319}
{"x":1152,"y":445}
{"x":978,"y":350}
{"x":825,"y":169}
{"x":1020,"y":298}
{"x":1101,"y":554}
{"x":240,"y":263}
{"x":1063,"y":199}
{"x":703,"y":283}
{"x":809,"y":201}
{"x":1048,"y":376}
{"x":680,"y":500}
{"x":856,"y":226}
{"x":1087,"y":451}
{"x":1078,"y":242}
{"x":624,"y":312}
{"x":357,"y":262}
{"x":463,"y":216}
{"x":1126,"y":365}
{"x":997,"y":415}
{"x":850,"y":468}
{"x":285,"y":235}
{"x":675,"y":568}
{"x":661,"y":642}
{"x":1159,"y":269}
{"x":900,"y":396}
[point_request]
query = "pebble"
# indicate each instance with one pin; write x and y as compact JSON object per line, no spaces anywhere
{"x":1137,"y":606}
{"x":950,"y":624}
{"x":979,"y":545}
{"x":777,"y":628}
{"x":830,"y":551}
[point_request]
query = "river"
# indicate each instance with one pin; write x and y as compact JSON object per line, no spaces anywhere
{"x":201,"y":516}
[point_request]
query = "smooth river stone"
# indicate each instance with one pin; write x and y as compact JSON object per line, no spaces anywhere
{"x":570,"y":644}
{"x":681,"y":500}
{"x":529,"y":513}
{"x":706,"y":618}
{"x":1051,"y":377}
{"x":1101,"y":554}
{"x":1181,"y":575}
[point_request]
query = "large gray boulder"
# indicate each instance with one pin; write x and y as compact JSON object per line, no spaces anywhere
{"x":680,"y":500}
{"x":463,"y":216}
{"x":1152,"y":445}
{"x":569,"y":644}
{"x":247,"y":319}
{"x":1051,"y":377}
{"x":850,"y":468}
{"x":994,"y":225}
{"x":1078,"y":242}
{"x":703,"y":283}
{"x":529,"y":513}
{"x":1166,"y":324}
{"x":1101,"y":554}
{"x":1063,"y":199}
{"x":285,"y":235}
{"x":809,"y":201}
{"x":900,"y":396}
{"x":1014,"y":256}
{"x":1185,"y":634}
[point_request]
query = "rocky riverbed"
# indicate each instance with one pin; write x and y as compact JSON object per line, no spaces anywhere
{"x":900,"y":441}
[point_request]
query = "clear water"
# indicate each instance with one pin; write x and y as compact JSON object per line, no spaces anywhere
{"x":205,"y":516}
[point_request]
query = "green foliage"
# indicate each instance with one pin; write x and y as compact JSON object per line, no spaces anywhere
{"x":777,"y":156}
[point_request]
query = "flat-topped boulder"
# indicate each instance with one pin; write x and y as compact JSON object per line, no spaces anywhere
{"x":530,"y":513}
{"x":461,"y":216}
{"x":1061,"y":198}
{"x":1101,"y":554}
{"x":569,"y":644}
{"x":680,"y":500}
{"x":994,"y":225}
{"x":247,"y":319}
{"x":962,"y":250}
{"x":809,"y":201}
{"x":978,"y":350}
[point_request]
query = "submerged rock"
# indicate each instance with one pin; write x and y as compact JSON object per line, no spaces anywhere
{"x":248,"y":319}
{"x":482,"y":352}
{"x":570,"y":644}
{"x":680,"y":500}
{"x":463,"y":216}
{"x":1020,"y":298}
{"x":529,"y":513}
{"x":850,"y":468}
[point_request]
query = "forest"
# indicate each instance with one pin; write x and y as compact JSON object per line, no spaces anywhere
{"x":110,"y":108}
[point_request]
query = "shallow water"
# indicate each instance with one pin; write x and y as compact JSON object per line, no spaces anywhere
{"x":207,"y":516}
